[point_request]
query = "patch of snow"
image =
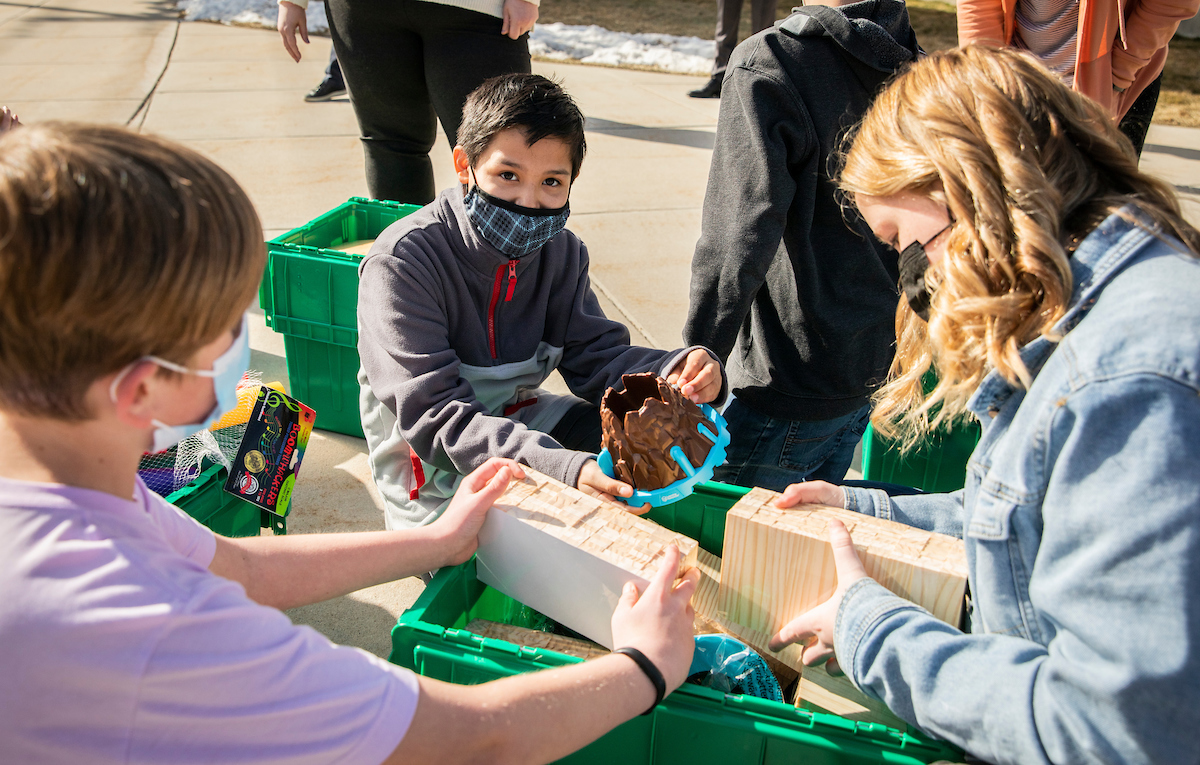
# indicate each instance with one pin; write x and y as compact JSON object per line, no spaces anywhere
{"x":597,"y":45}
{"x":557,"y":41}
{"x":249,"y":13}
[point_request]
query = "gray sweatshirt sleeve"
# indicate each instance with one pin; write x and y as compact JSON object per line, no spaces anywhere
{"x":597,"y":350}
{"x":412,"y":369}
{"x":761,"y":135}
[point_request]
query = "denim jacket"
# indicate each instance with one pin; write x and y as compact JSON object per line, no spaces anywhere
{"x":1081,"y":522}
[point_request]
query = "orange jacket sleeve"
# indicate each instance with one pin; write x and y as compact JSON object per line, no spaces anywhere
{"x":1148,"y":29}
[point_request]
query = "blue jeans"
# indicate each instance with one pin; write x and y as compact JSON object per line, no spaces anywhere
{"x":773,"y":453}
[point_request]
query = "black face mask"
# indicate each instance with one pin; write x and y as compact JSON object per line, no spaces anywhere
{"x":913,"y":264}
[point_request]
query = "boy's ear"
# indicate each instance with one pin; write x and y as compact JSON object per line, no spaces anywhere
{"x":462,"y":165}
{"x":132,"y":393}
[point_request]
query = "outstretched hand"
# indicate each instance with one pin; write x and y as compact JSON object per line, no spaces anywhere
{"x":816,"y":626}
{"x":458,"y":527}
{"x":658,"y":622}
{"x":292,"y":19}
{"x":698,"y":376}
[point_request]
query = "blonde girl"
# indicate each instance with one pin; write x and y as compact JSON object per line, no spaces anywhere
{"x":1054,"y":290}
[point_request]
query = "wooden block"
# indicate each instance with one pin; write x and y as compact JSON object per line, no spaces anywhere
{"x":568,"y":554}
{"x":357,"y":247}
{"x":708,"y":621}
{"x":818,"y":690}
{"x":779,"y":563}
{"x":706,"y":604}
{"x":583,"y":649}
{"x":822,"y":692}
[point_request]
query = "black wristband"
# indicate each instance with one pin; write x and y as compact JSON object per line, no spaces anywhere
{"x":647,"y":666}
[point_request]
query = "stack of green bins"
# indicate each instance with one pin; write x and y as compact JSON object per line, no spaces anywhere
{"x":693,"y":725}
{"x":309,"y":294}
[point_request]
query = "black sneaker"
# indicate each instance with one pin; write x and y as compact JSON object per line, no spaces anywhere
{"x":328,"y":89}
{"x":711,"y":90}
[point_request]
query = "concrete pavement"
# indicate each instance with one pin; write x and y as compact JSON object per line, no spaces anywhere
{"x":234,"y":95}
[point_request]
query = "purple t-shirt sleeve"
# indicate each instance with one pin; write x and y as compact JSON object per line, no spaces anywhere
{"x":185,"y":534}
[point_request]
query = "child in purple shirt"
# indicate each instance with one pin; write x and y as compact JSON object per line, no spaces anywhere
{"x":130,"y":633}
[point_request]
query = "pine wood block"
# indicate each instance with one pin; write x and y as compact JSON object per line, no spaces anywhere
{"x":357,"y":247}
{"x":582,"y":649}
{"x":708,"y":621}
{"x":568,"y":554}
{"x":818,"y":689}
{"x":779,"y":563}
{"x":822,"y":692}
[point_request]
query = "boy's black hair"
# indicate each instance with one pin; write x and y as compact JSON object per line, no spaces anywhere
{"x":536,"y":106}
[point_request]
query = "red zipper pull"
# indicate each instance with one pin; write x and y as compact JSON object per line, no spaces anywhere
{"x":512,"y":279}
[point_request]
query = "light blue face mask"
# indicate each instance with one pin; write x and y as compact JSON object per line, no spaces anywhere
{"x":227,"y":371}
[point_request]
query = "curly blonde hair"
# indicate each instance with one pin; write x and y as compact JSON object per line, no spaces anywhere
{"x":1027,"y":168}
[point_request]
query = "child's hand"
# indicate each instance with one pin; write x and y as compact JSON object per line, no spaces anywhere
{"x":698,"y":376}
{"x":592,"y":480}
{"x":459,"y":526}
{"x":811,"y":493}
{"x":816,"y":626}
{"x":658,"y":622}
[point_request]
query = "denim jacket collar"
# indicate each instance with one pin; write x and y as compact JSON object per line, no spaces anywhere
{"x":1100,"y":256}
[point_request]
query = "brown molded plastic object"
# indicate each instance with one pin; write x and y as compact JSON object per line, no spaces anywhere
{"x":640,"y":425}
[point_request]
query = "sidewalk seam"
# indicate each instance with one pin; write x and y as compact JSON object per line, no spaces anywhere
{"x":599,"y":285}
{"x":144,"y":107}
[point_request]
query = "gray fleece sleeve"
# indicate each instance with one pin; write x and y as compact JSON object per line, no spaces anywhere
{"x":404,"y":345}
{"x":597,"y":350}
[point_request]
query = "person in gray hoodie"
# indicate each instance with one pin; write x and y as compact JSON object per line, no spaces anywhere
{"x":791,"y":289}
{"x":466,"y":307}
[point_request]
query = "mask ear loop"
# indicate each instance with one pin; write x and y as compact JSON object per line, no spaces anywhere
{"x":112,"y":389}
{"x":220,"y":364}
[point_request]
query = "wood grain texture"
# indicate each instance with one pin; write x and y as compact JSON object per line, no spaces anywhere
{"x":821,"y":692}
{"x":357,"y":247}
{"x":818,"y":690}
{"x":606,"y":530}
{"x":779,"y":563}
{"x":584,"y":649}
{"x":708,"y":621}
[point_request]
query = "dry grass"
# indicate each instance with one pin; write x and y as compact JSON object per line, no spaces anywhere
{"x":933,"y":21}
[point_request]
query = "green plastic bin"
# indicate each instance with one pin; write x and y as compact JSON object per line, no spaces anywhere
{"x":206,"y":500}
{"x":693,"y":725}
{"x":938,"y":464}
{"x":309,"y":294}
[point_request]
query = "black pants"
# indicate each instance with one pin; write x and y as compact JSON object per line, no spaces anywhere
{"x":729,"y":15}
{"x":408,"y":64}
{"x":1136,"y":122}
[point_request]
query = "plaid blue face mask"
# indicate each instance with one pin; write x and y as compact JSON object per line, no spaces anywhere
{"x":512,"y":229}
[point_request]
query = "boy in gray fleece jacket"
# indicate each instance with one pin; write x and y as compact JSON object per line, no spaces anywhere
{"x":468,"y":305}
